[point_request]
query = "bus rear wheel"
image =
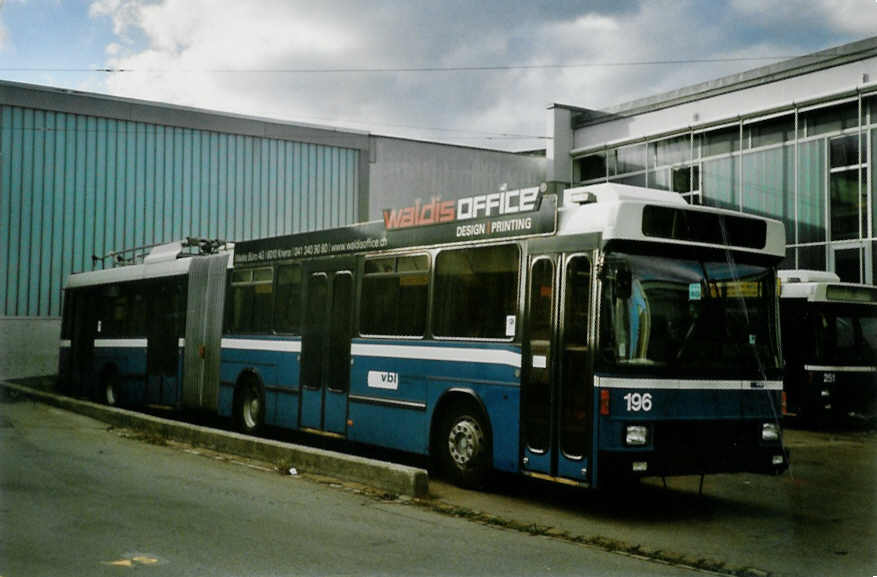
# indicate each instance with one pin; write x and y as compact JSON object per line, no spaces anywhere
{"x":462,"y":447}
{"x":110,"y":388}
{"x":249,"y":409}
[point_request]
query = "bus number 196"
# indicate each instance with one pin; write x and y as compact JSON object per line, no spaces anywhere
{"x":637,"y":402}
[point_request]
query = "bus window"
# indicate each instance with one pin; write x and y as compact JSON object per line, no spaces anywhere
{"x":137,"y":321}
{"x":252,"y":300}
{"x":536,"y":403}
{"x":394,"y":296}
{"x":575,"y":394}
{"x":287,"y":308}
{"x":476,"y":291}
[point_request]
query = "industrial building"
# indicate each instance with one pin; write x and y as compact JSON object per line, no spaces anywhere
{"x":83,"y":175}
{"x":796,"y":141}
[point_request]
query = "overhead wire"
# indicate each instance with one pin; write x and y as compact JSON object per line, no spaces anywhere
{"x":409,"y":69}
{"x":487,"y":135}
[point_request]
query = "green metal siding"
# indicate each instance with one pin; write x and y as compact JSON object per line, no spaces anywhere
{"x":73,"y":186}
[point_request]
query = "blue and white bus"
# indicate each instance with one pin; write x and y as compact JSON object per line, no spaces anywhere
{"x":623,"y":334}
{"x":830,"y":344}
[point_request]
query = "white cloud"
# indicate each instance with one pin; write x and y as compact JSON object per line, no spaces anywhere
{"x":3,"y":34}
{"x":181,"y":51}
{"x":852,"y":17}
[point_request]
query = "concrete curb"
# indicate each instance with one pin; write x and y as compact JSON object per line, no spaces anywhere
{"x":389,"y":477}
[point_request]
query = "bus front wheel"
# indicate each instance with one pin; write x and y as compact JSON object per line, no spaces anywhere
{"x":462,"y":447}
{"x":249,"y":408}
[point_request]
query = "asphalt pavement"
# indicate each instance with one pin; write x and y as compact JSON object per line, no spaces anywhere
{"x":78,"y":497}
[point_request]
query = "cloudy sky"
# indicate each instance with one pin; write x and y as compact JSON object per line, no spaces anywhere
{"x":476,"y":73}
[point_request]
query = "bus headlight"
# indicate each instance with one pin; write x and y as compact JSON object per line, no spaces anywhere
{"x":770,"y":432}
{"x":636,"y":436}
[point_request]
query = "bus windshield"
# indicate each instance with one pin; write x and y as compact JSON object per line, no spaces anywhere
{"x":688,"y":317}
{"x":845,"y":335}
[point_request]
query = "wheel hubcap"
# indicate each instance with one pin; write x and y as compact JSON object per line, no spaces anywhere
{"x":251,"y":409}
{"x":465,"y":441}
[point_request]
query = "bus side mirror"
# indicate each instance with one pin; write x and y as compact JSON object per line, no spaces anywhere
{"x":620,"y":276}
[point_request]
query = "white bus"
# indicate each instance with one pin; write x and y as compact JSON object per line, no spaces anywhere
{"x":623,"y":333}
{"x":829,"y":333}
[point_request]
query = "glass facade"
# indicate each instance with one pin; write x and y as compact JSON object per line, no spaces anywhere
{"x":809,"y":166}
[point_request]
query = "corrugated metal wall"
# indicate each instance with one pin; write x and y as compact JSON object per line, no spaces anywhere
{"x":73,"y":186}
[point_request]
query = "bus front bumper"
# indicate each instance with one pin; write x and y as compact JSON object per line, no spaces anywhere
{"x":695,"y":448}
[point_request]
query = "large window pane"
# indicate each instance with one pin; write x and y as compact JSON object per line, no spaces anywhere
{"x":769,"y":185}
{"x":847,"y":264}
{"x":863,"y":202}
{"x":591,"y":167}
{"x":789,"y":261}
{"x":476,"y":292}
{"x":632,"y":180}
{"x":844,"y":194}
{"x":772,"y":131}
{"x":719,"y":182}
{"x":630,"y":159}
{"x":829,"y":119}
{"x":874,"y":262}
{"x":685,"y":178}
{"x":670,"y":151}
{"x":874,"y":179}
{"x":812,"y":257}
{"x":844,"y":151}
{"x":659,"y":179}
{"x":811,"y":191}
{"x":722,"y":141}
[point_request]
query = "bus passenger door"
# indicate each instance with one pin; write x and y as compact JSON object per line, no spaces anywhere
{"x":165,"y":300}
{"x":557,"y":419}
{"x":325,"y":355}
{"x":84,"y":310}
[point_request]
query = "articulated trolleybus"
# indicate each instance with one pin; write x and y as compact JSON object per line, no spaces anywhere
{"x":623,"y":334}
{"x":830,"y":344}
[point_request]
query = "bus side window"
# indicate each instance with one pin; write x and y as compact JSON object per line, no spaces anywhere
{"x":251,"y":300}
{"x":287,"y":308}
{"x":394,"y":296}
{"x":137,"y":321}
{"x":475,"y":291}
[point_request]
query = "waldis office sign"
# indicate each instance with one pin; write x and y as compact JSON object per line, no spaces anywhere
{"x":504,"y":214}
{"x":496,"y":215}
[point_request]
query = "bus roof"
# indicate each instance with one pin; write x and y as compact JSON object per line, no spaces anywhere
{"x":614,"y":211}
{"x":624,"y":212}
{"x":162,"y":260}
{"x":820,"y":286}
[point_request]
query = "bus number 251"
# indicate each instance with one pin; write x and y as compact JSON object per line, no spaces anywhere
{"x":637,"y":402}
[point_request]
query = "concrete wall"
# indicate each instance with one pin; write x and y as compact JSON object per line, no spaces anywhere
{"x":29,"y":346}
{"x":403,"y":171}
